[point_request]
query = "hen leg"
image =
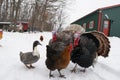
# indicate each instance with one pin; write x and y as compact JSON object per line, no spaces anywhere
{"x":95,"y":60}
{"x":50,"y":75}
{"x":93,"y":66}
{"x":62,"y":76}
{"x":74,"y":69}
{"x":31,"y":66}
{"x":27,"y":66}
{"x":83,"y":70}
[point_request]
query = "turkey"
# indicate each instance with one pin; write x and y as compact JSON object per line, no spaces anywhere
{"x":90,"y":45}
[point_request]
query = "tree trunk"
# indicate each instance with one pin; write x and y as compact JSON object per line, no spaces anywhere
{"x":1,"y":2}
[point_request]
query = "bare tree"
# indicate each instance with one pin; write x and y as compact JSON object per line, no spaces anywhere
{"x":45,"y":14}
{"x":1,"y":2}
{"x":58,"y":18}
{"x":12,"y":9}
{"x":41,"y":14}
{"x":16,"y":12}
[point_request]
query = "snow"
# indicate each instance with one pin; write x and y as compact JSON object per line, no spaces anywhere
{"x":11,"y":67}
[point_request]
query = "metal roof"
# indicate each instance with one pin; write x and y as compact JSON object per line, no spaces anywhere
{"x":12,"y":22}
{"x":108,"y":7}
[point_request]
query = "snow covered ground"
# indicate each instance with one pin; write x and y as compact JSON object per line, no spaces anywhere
{"x":11,"y":67}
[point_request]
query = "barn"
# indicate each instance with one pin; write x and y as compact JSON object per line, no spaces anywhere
{"x":25,"y":25}
{"x":105,"y":19}
{"x":9,"y":25}
{"x":4,"y":24}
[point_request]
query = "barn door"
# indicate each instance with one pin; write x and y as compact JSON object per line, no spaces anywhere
{"x":106,"y":27}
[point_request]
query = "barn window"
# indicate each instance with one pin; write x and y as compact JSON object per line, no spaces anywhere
{"x":91,"y":24}
{"x":106,"y":23}
{"x":84,"y":25}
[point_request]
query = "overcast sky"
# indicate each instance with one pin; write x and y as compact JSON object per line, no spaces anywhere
{"x":80,"y":8}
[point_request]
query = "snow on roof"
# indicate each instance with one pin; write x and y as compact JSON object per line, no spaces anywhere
{"x":5,"y":22}
{"x":108,"y":7}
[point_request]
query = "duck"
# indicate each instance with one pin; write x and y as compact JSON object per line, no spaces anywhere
{"x":28,"y":58}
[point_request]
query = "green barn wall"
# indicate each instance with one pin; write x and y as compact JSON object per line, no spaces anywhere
{"x":114,"y":16}
{"x":87,"y":19}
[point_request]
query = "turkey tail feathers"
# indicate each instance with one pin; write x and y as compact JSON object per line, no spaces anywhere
{"x":104,"y":42}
